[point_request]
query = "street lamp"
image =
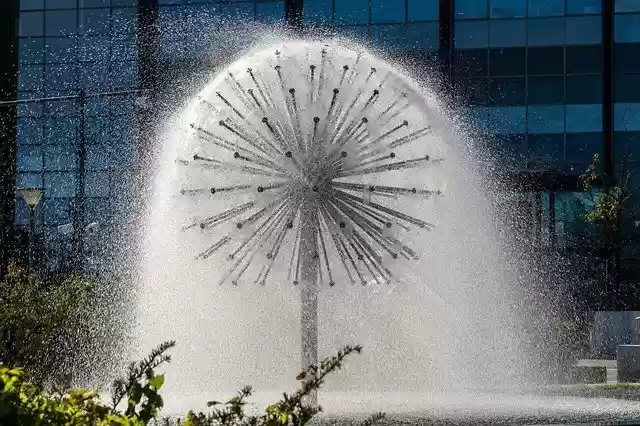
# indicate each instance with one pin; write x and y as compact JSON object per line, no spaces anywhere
{"x":32,"y":197}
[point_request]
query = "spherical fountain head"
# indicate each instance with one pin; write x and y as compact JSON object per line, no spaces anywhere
{"x":316,"y":128}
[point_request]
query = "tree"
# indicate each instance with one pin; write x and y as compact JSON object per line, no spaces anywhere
{"x":615,"y":216}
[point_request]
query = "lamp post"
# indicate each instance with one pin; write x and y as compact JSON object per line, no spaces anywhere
{"x":32,"y":197}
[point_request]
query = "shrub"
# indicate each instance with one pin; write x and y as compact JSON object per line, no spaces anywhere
{"x":39,"y":320}
{"x":136,"y":400}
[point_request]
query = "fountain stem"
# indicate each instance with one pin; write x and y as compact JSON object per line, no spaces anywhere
{"x":309,"y":290}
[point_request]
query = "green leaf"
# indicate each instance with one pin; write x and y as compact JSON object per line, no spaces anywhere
{"x":157,"y":381}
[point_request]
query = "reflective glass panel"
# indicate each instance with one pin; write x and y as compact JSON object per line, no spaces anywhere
{"x":546,"y":8}
{"x":546,"y":119}
{"x":627,"y":6}
{"x":583,"y":7}
{"x":387,"y":11}
{"x":470,"y":35}
{"x":31,"y":24}
{"x":627,"y":28}
{"x":508,"y":8}
{"x":584,"y":89}
{"x":546,"y":32}
{"x":318,"y":11}
{"x":422,"y":10}
{"x":584,"y":30}
{"x":584,"y":118}
{"x":505,"y":33}
{"x":352,"y":11}
{"x":469,"y":9}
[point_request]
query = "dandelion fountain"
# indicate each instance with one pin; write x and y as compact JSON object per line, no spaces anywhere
{"x":301,"y":203}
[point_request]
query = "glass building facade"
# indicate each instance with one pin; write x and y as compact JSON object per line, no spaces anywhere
{"x":66,"y":46}
{"x":532,"y":75}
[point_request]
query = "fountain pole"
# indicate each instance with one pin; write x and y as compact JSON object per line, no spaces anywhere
{"x":308,"y":290}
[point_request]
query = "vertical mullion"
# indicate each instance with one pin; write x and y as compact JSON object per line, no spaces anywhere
{"x":607,"y":87}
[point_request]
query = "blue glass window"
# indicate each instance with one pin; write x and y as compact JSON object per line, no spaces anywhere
{"x":545,"y":60}
{"x":508,"y":8}
{"x":94,"y":48}
{"x":627,"y":88}
{"x":545,"y":90}
{"x":471,"y":35}
{"x":271,"y":12}
{"x":627,"y":6}
{"x":29,"y":180}
{"x":97,"y":184}
{"x":102,"y":3}
{"x":122,"y":105}
{"x":352,"y":11}
{"x":31,"y":4}
{"x":584,"y":89}
{"x":95,"y":21}
{"x":61,"y":4}
{"x":417,"y":36}
{"x":30,"y":50}
{"x":30,"y":78}
{"x":507,"y":91}
{"x":98,"y":157}
{"x":505,"y":33}
{"x":546,"y":8}
{"x":507,"y":120}
{"x":546,"y":119}
{"x":547,"y":149}
{"x":60,"y":79}
{"x":507,"y":62}
{"x":583,"y":7}
{"x":124,"y":20}
{"x":30,"y":131}
{"x":581,"y":147}
{"x":124,"y":50}
{"x":124,"y":75}
{"x":627,"y":28}
{"x":469,"y":9}
{"x":584,"y":59}
{"x":584,"y":118}
{"x":29,"y":109}
{"x":387,"y":11}
{"x":546,"y":32}
{"x":60,"y":23}
{"x":60,"y":157}
{"x":626,"y":116}
{"x":95,"y":76}
{"x":318,"y":11}
{"x":29,"y":158}
{"x":60,"y":131}
{"x":422,"y":10}
{"x":60,"y":184}
{"x":584,"y":30}
{"x":60,"y":49}
{"x":57,"y":211}
{"x":31,"y":24}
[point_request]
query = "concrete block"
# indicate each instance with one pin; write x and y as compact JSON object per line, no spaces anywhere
{"x":628,"y":358}
{"x":588,"y":374}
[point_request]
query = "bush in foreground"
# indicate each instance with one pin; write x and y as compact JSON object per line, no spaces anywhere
{"x":136,"y":400}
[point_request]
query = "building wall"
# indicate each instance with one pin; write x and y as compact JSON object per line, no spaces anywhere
{"x":66,"y":46}
{"x":531,"y":72}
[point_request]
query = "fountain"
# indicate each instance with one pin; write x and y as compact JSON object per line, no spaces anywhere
{"x":301,"y":203}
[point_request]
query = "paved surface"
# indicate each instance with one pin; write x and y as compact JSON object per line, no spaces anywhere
{"x":416,"y":409}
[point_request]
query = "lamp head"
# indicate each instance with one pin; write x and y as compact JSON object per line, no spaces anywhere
{"x":31,"y":196}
